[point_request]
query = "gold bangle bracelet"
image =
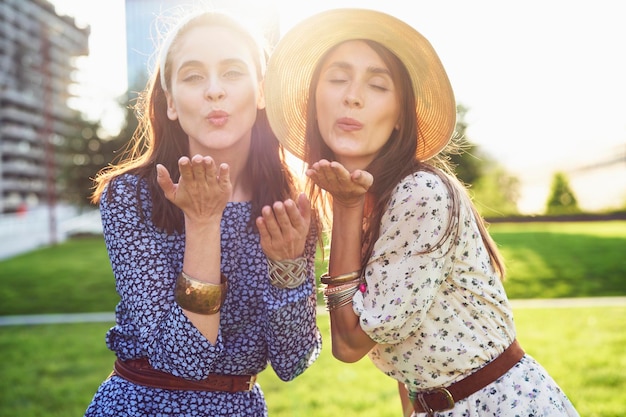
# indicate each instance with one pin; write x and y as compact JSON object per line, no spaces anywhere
{"x":340,"y":279}
{"x":198,"y":296}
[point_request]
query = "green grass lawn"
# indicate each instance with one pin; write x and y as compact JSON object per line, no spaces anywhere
{"x":552,"y":260}
{"x":53,"y":370}
{"x":72,"y":277}
{"x":544,"y":260}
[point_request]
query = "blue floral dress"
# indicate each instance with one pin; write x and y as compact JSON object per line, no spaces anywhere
{"x":259,"y":324}
{"x":439,"y":316}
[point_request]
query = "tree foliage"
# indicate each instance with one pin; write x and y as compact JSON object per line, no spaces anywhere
{"x":494,"y":190}
{"x":562,"y":199}
{"x":468,"y":163}
{"x":496,"y":193}
{"x":85,"y":153}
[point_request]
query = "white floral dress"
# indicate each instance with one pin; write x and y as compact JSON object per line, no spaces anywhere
{"x":438,"y":317}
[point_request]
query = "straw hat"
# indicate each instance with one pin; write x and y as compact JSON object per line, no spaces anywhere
{"x":292,"y":63}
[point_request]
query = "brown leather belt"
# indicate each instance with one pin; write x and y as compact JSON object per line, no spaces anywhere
{"x":140,"y":372}
{"x":441,"y":399}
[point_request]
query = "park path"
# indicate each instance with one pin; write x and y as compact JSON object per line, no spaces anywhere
{"x":33,"y":319}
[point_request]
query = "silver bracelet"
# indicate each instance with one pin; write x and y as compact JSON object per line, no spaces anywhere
{"x":288,"y":273}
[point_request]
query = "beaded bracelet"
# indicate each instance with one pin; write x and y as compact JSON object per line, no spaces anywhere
{"x":338,"y":288}
{"x":288,"y":273}
{"x":198,"y":296}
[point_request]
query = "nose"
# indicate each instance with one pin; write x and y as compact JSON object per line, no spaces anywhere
{"x":353,"y":101}
{"x":214,"y":91}
{"x":353,"y":98}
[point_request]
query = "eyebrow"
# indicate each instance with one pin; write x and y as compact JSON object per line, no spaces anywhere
{"x":189,"y":64}
{"x":196,"y":63}
{"x":370,"y":69}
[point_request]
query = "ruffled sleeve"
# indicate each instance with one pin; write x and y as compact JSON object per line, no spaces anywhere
{"x":402,"y":280}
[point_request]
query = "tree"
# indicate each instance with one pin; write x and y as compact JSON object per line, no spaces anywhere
{"x":562,"y":199}
{"x":492,"y":188}
{"x":496,"y":193}
{"x":88,"y":151}
{"x":467,"y":161}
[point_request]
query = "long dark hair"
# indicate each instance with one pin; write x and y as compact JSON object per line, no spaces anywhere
{"x":394,"y":161}
{"x":157,"y":139}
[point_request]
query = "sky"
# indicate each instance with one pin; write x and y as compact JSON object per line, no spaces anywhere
{"x":544,"y":80}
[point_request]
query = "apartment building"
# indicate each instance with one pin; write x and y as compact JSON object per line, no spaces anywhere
{"x":38,"y":49}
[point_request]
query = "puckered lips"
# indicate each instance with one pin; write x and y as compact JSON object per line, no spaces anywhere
{"x":218,"y":118}
{"x":349,"y":124}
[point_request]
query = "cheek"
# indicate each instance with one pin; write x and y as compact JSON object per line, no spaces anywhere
{"x":384,"y":124}
{"x":183,"y":102}
{"x":392,"y":118}
{"x":322,"y":110}
{"x":322,"y":116}
{"x":246,"y":95}
{"x":321,"y":99}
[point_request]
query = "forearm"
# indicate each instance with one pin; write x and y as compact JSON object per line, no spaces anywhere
{"x":202,"y":262}
{"x":349,"y":342}
{"x":345,"y":244}
{"x":407,"y":407}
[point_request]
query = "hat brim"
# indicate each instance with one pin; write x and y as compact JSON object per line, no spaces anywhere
{"x":292,"y":63}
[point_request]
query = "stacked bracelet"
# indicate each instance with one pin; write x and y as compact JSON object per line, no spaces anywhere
{"x":198,"y":296}
{"x":288,"y":273}
{"x":339,"y":290}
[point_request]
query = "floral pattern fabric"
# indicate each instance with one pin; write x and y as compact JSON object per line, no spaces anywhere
{"x":439,"y":316}
{"x":259,"y":324}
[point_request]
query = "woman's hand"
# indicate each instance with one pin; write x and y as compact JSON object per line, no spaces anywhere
{"x":284,"y":228}
{"x":202,"y":190}
{"x":348,"y":189}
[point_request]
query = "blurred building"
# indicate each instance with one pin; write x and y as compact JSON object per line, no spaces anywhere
{"x":148,"y":20}
{"x":37,"y":53}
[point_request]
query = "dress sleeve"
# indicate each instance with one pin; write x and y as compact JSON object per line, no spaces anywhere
{"x":404,"y":272}
{"x":293,"y":338}
{"x":146,"y":262}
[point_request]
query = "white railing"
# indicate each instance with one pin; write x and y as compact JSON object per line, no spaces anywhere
{"x":23,"y":232}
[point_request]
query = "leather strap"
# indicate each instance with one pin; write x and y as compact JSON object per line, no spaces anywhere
{"x":444,"y":398}
{"x":140,"y":372}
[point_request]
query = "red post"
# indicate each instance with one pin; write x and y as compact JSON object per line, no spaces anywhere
{"x":48,"y":132}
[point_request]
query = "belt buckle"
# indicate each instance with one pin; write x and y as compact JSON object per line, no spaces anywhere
{"x":446,"y":395}
{"x":251,"y":382}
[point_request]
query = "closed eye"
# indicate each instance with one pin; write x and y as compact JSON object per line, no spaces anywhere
{"x":234,"y":73}
{"x":379,"y":87}
{"x":192,"y":78}
{"x":234,"y":68}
